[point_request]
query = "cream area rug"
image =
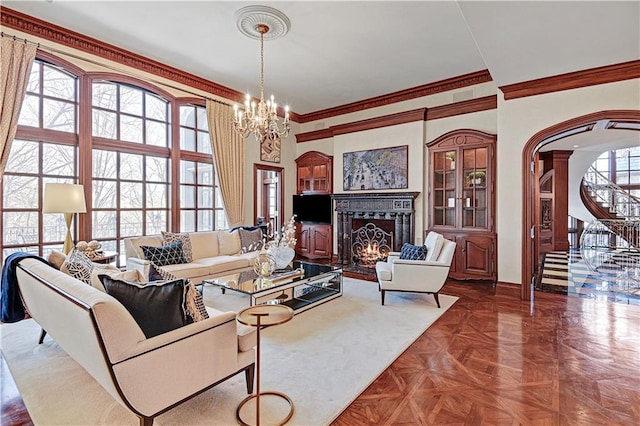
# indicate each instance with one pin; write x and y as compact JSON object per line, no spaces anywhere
{"x":323,"y":359}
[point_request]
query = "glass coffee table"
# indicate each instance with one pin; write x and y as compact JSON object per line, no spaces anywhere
{"x":301,"y":287}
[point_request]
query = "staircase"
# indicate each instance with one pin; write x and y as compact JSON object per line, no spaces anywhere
{"x":617,"y":228}
{"x":606,"y":200}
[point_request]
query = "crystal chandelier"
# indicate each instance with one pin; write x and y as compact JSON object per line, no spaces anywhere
{"x":260,"y":118}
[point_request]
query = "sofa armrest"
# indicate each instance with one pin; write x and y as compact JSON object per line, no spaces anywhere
{"x":225,"y":321}
{"x":141,"y":265}
{"x":168,"y":368}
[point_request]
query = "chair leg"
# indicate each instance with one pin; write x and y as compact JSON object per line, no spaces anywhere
{"x":249,"y":373}
{"x":42,"y":334}
{"x":435,"y":296}
{"x":382,"y":296}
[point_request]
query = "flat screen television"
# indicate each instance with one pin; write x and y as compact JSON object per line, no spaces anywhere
{"x":312,"y":208}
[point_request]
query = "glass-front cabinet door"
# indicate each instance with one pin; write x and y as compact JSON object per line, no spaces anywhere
{"x":474,"y":188}
{"x":444,"y":187}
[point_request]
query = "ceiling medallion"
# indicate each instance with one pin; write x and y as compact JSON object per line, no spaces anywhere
{"x":248,"y":18}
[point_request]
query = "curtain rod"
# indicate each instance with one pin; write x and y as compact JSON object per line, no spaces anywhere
{"x":110,"y":67}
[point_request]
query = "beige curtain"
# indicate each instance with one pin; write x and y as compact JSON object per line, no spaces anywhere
{"x":229,"y":156}
{"x":15,"y":66}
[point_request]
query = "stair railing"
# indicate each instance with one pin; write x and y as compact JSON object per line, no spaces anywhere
{"x":601,"y":242}
{"x":611,"y":195}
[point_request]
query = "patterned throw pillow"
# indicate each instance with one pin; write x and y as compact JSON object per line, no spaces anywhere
{"x":171,"y":237}
{"x":411,"y":252}
{"x":165,"y":255}
{"x":157,"y":273}
{"x":194,"y":304}
{"x":250,"y":240}
{"x":78,"y":265}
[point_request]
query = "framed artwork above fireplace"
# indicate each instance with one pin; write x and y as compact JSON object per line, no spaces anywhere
{"x":384,"y":168}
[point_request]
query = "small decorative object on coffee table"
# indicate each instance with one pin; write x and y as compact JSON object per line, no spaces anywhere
{"x":264,"y":316}
{"x":281,"y":246}
{"x":264,"y":265}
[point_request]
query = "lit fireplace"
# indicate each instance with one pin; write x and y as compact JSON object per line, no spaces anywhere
{"x":370,"y":244}
{"x":369,"y":255}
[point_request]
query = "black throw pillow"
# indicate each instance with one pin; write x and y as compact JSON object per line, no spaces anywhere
{"x":411,"y":252}
{"x":157,"y":307}
{"x":170,"y":254}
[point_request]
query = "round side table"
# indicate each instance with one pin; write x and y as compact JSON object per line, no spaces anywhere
{"x":260,"y":316}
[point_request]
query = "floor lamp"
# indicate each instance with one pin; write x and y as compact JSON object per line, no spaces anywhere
{"x":68,"y":199}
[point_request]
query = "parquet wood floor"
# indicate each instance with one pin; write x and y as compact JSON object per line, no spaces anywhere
{"x":487,"y":360}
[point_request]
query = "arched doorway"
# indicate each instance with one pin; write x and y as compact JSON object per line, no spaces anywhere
{"x":602,"y":120}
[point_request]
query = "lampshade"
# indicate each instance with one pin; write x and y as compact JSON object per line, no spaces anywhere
{"x":64,"y":198}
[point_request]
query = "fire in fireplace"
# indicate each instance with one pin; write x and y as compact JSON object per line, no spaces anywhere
{"x":370,"y":244}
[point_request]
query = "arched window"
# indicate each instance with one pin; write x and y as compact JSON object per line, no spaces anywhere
{"x":145,"y":155}
{"x":45,"y":150}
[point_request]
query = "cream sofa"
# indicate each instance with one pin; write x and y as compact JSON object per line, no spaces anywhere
{"x":147,"y":375}
{"x":215,"y":253}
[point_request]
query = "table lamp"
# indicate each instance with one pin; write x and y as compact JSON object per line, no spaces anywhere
{"x":68,"y":199}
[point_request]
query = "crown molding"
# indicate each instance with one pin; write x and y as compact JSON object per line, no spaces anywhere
{"x":314,"y":135}
{"x":424,"y":114}
{"x":400,"y":96}
{"x":54,"y":33}
{"x":463,"y":107}
{"x":419,"y":114}
{"x":573,"y":80}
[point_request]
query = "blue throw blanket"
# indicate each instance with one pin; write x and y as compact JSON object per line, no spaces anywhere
{"x":11,"y":308}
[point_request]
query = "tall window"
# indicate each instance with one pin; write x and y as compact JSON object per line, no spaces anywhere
{"x":130,"y":189}
{"x":622,"y":167}
{"x":130,"y":194}
{"x":201,"y":207}
{"x":45,"y":150}
{"x":128,"y":167}
{"x":25,"y":227}
{"x":628,"y":167}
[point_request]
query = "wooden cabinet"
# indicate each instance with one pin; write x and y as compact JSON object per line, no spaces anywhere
{"x":314,"y":241}
{"x":314,"y":173}
{"x":462,"y":200}
{"x":475,"y":256}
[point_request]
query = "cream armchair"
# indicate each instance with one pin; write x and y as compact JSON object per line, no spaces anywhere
{"x":418,"y":276}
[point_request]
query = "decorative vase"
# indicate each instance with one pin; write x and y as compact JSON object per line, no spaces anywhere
{"x":264,"y":265}
{"x":282,"y":255}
